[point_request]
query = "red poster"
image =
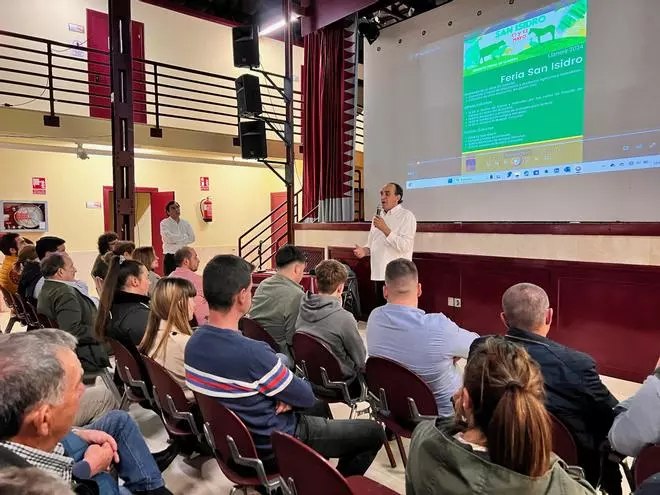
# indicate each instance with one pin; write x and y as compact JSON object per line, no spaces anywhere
{"x":203,"y":183}
{"x":38,"y":185}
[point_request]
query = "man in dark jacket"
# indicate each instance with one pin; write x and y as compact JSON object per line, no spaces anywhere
{"x":74,"y":312}
{"x":575,"y":393}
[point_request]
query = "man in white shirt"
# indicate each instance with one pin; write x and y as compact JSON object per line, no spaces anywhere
{"x":391,"y":236}
{"x":176,"y":233}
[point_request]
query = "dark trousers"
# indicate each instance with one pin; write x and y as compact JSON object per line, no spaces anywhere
{"x":168,"y":264}
{"x":609,"y":476}
{"x":354,"y":442}
{"x":378,"y":293}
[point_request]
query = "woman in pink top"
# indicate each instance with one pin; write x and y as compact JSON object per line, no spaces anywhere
{"x":168,"y":329}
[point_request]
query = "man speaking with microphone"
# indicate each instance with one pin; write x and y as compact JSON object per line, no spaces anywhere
{"x":391,"y":236}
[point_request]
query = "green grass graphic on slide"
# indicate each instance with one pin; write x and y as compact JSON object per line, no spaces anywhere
{"x":534,"y":51}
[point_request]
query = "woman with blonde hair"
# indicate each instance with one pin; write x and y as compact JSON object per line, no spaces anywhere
{"x":147,"y":256}
{"x":168,"y":328}
{"x":500,"y":441}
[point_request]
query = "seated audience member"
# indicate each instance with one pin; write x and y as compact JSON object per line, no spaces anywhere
{"x":147,"y":256}
{"x":426,"y":344}
{"x":246,"y":376}
{"x":639,"y":423}
{"x":10,"y":245}
{"x":121,"y":248}
{"x":45,"y":246}
{"x":124,"y":307}
{"x":106,"y":243}
{"x":187,"y":264}
{"x":26,"y":256}
{"x":22,"y":479}
{"x":575,"y":393}
{"x":323,"y":316}
{"x":62,"y":301}
{"x":30,"y":275}
{"x":277,"y":299}
{"x":38,"y":414}
{"x":168,"y":329}
{"x":500,"y":441}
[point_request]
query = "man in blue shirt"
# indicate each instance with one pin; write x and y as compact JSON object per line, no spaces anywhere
{"x":426,"y":344}
{"x":246,"y":376}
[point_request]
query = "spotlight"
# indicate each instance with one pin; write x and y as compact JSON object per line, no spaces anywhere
{"x":370,"y":31}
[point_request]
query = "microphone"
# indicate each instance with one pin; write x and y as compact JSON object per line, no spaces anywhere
{"x":379,"y":210}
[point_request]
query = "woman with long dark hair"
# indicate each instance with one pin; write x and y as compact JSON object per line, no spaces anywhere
{"x":501,"y":439}
{"x":168,"y":329}
{"x":124,"y":305}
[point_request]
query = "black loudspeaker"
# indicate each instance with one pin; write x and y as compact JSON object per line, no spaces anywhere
{"x":253,"y":139}
{"x":248,"y":96}
{"x":246,"y":46}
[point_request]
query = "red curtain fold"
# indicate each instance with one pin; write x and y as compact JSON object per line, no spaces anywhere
{"x":324,"y":114}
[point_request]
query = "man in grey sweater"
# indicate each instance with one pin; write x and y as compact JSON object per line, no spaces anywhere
{"x":323,"y":316}
{"x":639,"y":423}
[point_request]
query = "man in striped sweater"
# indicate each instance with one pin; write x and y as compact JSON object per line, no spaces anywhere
{"x":246,"y":376}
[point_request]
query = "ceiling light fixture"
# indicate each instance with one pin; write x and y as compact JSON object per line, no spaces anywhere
{"x":276,"y":26}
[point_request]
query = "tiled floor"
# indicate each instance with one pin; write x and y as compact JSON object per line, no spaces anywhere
{"x":207,"y":479}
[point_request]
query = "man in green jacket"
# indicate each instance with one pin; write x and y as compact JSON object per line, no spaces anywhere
{"x":276,"y":301}
{"x":73,"y":311}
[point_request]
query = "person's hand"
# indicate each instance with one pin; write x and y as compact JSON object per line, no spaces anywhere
{"x":379,"y":223}
{"x":658,"y":364}
{"x":99,"y":457}
{"x":360,"y":252}
{"x":97,"y":437}
{"x":282,"y":407}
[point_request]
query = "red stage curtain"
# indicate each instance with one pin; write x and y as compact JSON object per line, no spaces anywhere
{"x":328,"y":85}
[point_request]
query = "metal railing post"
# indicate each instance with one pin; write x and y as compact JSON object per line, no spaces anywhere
{"x":156,"y":132}
{"x":261,"y":243}
{"x":51,"y":120}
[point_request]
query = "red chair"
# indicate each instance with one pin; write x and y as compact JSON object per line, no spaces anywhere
{"x":400,"y":399}
{"x":563,"y":443}
{"x":305,"y":472}
{"x":647,"y":464}
{"x":15,"y":313}
{"x":29,"y":312}
{"x":136,"y":385}
{"x":176,"y":410}
{"x":254,"y":331}
{"x":321,"y":367}
{"x":233,"y":447}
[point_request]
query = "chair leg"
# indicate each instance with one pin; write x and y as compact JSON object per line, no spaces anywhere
{"x":110,"y":385}
{"x":388,"y":449}
{"x":10,"y":324}
{"x":124,"y":403}
{"x":402,"y":451}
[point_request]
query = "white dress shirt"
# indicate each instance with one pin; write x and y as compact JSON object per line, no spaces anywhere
{"x":399,"y":244}
{"x":175,"y":234}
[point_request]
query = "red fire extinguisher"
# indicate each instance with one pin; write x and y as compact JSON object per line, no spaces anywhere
{"x":206,"y":209}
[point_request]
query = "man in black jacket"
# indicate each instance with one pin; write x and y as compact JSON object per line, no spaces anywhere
{"x":575,"y":393}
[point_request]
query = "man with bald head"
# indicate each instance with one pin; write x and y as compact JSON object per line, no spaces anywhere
{"x":575,"y":393}
{"x":391,"y":236}
{"x":426,"y":344}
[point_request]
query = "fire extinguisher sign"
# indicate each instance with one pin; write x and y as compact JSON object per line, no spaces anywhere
{"x":203,"y":183}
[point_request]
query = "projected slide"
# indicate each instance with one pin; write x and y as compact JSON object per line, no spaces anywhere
{"x":523,"y":106}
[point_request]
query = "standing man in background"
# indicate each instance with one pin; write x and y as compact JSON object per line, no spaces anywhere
{"x":391,"y":236}
{"x":176,"y":233}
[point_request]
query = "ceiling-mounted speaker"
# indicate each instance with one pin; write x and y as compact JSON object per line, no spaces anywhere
{"x":253,"y":139}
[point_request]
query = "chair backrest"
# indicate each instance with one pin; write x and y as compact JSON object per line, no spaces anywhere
{"x":315,"y":354}
{"x":563,"y":443}
{"x":647,"y":464}
{"x":399,"y":383}
{"x":126,"y":359}
{"x":163,"y":386}
{"x":9,"y":299}
{"x":311,"y":474}
{"x":223,"y":423}
{"x":29,"y":312}
{"x":254,"y":331}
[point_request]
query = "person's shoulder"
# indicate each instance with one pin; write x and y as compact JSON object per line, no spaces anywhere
{"x":165,"y":221}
